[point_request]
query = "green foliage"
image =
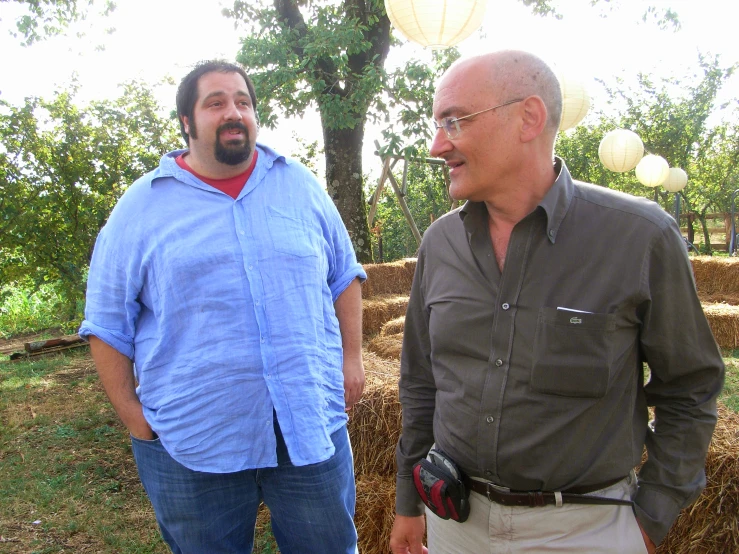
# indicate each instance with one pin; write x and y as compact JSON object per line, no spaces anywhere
{"x":671,"y":118}
{"x":410,"y":92}
{"x":62,"y":169}
{"x":45,"y":18}
{"x":24,"y":309}
{"x":333,"y":57}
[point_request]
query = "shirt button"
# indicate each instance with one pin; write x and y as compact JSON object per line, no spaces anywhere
{"x":261,"y":339}
{"x":241,"y":232}
{"x":251,"y":267}
{"x":506,"y":305}
{"x":551,"y":232}
{"x":257,"y":302}
{"x":499,"y":362}
{"x":488,"y":472}
{"x":490,"y":419}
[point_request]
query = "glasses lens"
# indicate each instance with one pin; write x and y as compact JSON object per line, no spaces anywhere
{"x":451,"y":127}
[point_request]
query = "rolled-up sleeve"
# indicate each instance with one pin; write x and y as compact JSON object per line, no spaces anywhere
{"x":111,"y":307}
{"x":343,"y":265}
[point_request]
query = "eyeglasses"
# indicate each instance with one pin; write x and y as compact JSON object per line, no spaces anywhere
{"x":451,"y":124}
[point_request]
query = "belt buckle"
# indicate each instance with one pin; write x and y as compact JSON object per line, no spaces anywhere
{"x":496,"y":488}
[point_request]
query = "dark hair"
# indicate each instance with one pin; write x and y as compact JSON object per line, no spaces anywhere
{"x":187,"y":92}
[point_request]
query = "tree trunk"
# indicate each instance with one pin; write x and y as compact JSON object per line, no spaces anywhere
{"x":344,"y":182}
{"x":691,"y":229}
{"x":706,"y":234}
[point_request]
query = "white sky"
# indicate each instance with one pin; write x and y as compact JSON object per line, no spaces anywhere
{"x":156,"y":38}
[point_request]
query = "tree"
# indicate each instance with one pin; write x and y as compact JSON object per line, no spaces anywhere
{"x":43,"y":18}
{"x":332,"y":53}
{"x":62,"y":168}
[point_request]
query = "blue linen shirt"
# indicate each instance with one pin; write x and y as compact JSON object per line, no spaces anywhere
{"x":226,"y":308}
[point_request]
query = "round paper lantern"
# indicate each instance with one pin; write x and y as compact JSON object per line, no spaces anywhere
{"x":676,"y":180}
{"x":575,"y":101}
{"x":652,"y":170}
{"x":620,"y":150}
{"x":436,"y":23}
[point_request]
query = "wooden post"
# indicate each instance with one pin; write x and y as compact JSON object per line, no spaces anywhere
{"x":378,"y":190}
{"x":404,"y":207}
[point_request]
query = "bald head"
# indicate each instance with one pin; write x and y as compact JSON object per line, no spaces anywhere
{"x":510,"y":74}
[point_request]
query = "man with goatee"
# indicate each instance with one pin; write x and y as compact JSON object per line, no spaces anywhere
{"x":224,"y":317}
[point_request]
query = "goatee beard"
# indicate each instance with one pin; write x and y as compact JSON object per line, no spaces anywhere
{"x":232,"y":153}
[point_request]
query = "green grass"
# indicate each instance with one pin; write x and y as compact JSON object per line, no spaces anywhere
{"x":730,"y":394}
{"x":68,"y":482}
{"x":67,"y":478}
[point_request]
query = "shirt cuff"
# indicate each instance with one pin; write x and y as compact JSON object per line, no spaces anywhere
{"x":123,"y":344}
{"x":340,"y":284}
{"x":407,"y":501}
{"x":655,"y":512}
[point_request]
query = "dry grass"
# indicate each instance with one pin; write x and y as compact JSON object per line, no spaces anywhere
{"x":378,"y":310}
{"x":388,"y":346}
{"x":390,"y":278}
{"x":724,"y":322}
{"x":375,"y":512}
{"x":393,"y":327}
{"x":716,"y":275}
{"x":374,"y":422}
{"x":710,"y":525}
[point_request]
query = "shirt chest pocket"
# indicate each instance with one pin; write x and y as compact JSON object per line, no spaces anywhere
{"x":291,"y":232}
{"x":572,"y":353}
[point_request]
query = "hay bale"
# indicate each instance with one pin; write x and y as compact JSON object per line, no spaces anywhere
{"x":388,"y":346}
{"x":724,"y":322}
{"x":719,"y":298}
{"x":375,"y":513}
{"x":374,"y":421}
{"x":710,"y":524}
{"x":393,"y":327}
{"x":715,"y":275}
{"x":379,"y":310}
{"x":390,"y":278}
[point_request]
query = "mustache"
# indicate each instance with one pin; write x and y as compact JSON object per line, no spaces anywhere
{"x":233,"y":125}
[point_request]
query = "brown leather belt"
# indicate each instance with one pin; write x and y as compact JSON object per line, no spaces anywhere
{"x":575,"y":495}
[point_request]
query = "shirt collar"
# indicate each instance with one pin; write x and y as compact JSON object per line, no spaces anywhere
{"x":555,"y":203}
{"x":168,"y":166}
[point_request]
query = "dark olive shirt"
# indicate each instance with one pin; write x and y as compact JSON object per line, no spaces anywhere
{"x":533,"y":378}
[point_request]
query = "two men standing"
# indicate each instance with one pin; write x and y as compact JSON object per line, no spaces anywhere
{"x":227,"y":276}
{"x":224,"y":317}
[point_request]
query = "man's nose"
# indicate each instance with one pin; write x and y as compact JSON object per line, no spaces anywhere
{"x":232,"y":112}
{"x":440,"y":143}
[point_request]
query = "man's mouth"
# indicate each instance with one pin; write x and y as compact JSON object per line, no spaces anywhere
{"x":233,"y":132}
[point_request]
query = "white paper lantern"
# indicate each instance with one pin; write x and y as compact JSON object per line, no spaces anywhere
{"x":620,"y":150}
{"x":575,"y":101}
{"x":676,"y":180}
{"x":652,"y":170}
{"x":436,"y":23}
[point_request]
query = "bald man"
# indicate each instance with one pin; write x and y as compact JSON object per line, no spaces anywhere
{"x":533,"y":310}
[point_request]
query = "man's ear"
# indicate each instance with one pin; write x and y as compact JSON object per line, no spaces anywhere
{"x":186,"y":123}
{"x":534,"y":119}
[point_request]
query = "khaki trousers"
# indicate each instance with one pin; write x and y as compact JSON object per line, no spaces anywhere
{"x":569,"y":529}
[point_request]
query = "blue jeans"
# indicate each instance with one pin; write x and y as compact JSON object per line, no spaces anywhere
{"x":312,"y":507}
